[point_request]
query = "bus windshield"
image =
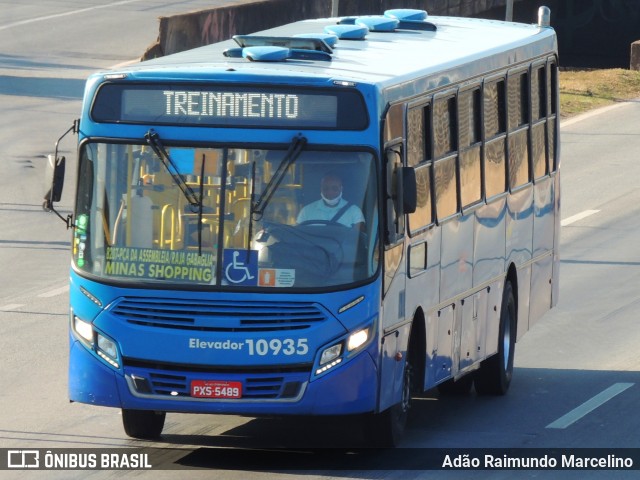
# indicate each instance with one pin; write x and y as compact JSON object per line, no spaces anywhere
{"x":226,"y":216}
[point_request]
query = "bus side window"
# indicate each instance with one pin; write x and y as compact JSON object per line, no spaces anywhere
{"x":495,"y":170}
{"x":552,"y":120}
{"x":419,"y":148}
{"x":518,"y":113}
{"x":445,"y":138}
{"x":469,"y":122}
{"x":538,"y":120}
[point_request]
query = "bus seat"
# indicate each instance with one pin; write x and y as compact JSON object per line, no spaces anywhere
{"x":141,"y":217}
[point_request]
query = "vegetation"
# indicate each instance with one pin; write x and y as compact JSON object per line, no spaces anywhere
{"x":584,"y":90}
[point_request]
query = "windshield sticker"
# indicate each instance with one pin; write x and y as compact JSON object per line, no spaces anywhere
{"x":176,"y":265}
{"x":276,"y":277}
{"x":80,"y":238}
{"x":240,"y":267}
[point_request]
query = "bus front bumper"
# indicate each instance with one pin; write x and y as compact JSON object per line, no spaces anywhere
{"x":349,"y":389}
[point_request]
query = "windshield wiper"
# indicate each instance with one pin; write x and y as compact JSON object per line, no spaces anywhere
{"x":153,"y":139}
{"x":295,"y":148}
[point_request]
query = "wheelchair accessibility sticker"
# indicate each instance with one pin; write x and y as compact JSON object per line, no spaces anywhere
{"x":240,"y":267}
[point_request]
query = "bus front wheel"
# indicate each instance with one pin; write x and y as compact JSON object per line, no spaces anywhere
{"x":143,"y":424}
{"x":494,"y":375}
{"x":386,"y":429}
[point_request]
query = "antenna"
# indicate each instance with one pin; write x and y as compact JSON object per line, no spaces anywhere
{"x":544,"y":17}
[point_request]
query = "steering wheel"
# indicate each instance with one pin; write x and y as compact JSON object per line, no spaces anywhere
{"x":322,"y":222}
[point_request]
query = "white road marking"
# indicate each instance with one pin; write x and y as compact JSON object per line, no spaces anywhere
{"x":579,"y":216}
{"x":65,"y":14}
{"x":590,"y":405}
{"x":11,"y":306}
{"x":54,"y":293}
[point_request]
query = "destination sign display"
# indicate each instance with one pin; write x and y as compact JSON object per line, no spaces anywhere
{"x":229,"y":106}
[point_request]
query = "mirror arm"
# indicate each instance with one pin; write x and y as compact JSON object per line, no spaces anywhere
{"x":48,"y":204}
{"x":68,"y":220}
{"x":75,"y":128}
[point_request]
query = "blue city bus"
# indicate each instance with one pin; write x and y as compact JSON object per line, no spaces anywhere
{"x":325,"y":218}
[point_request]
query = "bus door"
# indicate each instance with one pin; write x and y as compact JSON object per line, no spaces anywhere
{"x":399,"y":199}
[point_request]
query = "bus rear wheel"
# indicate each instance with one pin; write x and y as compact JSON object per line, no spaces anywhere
{"x":143,"y":424}
{"x":494,"y":375}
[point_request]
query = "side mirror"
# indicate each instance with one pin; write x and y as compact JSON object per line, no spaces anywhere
{"x":409,"y":190}
{"x":54,"y":180}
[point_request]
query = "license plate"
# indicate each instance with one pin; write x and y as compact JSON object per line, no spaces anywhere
{"x":216,"y":389}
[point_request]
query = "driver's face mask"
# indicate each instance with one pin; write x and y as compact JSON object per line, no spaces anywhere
{"x":332,"y":202}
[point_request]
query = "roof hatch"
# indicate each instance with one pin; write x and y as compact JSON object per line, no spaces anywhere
{"x":319,"y":46}
{"x":396,"y":19}
{"x":258,"y":48}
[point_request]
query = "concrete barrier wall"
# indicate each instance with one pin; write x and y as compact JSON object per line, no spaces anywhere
{"x":591,"y":33}
{"x":191,"y":30}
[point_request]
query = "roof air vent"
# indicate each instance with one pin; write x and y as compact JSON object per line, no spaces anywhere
{"x":347,"y":32}
{"x":258,"y":48}
{"x":378,"y":23}
{"x":406,"y":14}
{"x":411,"y":19}
{"x":265,"y":54}
{"x":275,"y":54}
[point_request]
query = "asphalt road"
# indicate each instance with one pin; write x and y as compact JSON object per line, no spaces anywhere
{"x":577,"y":375}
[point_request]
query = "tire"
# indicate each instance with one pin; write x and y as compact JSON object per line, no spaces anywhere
{"x":386,"y":429}
{"x":143,"y":424}
{"x":495,"y":373}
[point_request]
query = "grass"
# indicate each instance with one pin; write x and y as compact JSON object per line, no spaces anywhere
{"x":584,"y":90}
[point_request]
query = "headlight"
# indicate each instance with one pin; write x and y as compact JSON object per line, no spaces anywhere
{"x":83,"y":329}
{"x":330,"y":353}
{"x":107,"y":346}
{"x":343,"y":350}
{"x":103,"y":346}
{"x":357,"y":339}
{"x":107,"y":350}
{"x":330,"y":358}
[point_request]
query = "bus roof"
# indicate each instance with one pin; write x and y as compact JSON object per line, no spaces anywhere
{"x":382,"y":58}
{"x":399,"y":65}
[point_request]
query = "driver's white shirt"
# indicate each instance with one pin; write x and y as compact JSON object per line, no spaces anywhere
{"x":319,"y":210}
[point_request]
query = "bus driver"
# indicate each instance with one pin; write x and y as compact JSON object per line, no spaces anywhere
{"x":332,"y":207}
